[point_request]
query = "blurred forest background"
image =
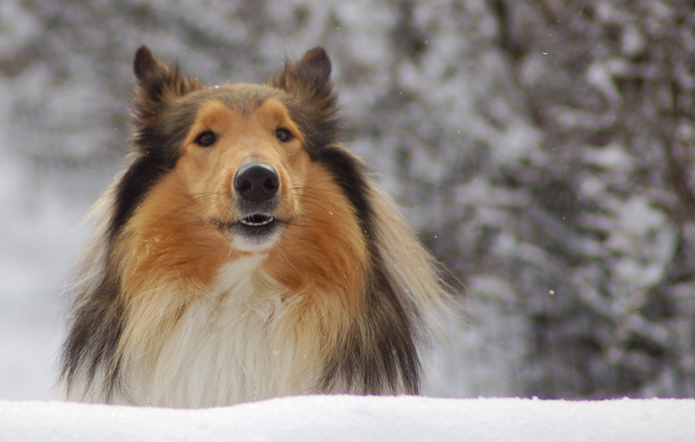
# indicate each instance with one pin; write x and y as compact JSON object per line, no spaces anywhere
{"x":543,"y":148}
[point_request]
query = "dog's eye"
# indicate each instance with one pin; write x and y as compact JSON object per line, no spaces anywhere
{"x":206,"y":139}
{"x":283,"y":135}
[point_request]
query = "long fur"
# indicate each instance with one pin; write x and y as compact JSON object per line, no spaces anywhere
{"x":178,"y":304}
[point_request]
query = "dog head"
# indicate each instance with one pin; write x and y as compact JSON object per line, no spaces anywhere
{"x":240,"y":150}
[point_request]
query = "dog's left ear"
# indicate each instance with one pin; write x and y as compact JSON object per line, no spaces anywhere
{"x":309,"y":78}
{"x":315,"y":103}
{"x":315,"y":66}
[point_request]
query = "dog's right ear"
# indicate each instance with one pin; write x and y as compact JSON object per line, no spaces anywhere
{"x":158,"y":83}
{"x":146,"y":66}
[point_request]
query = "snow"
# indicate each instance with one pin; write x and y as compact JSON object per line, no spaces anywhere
{"x":357,"y":418}
{"x":578,"y":202}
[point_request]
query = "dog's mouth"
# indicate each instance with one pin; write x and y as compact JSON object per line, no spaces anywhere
{"x":257,"y":220}
{"x":254,"y":226}
{"x":254,"y":231}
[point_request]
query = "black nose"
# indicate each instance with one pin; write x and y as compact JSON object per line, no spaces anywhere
{"x":256,"y":183}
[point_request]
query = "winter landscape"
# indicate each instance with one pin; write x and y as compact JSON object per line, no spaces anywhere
{"x":543,"y":149}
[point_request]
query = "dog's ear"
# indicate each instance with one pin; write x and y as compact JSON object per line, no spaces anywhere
{"x":146,"y":66}
{"x":158,"y":83}
{"x":308,"y":78}
{"x":314,"y":103}
{"x":315,"y":66}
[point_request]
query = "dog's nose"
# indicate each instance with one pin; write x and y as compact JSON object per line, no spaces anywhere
{"x":256,"y":183}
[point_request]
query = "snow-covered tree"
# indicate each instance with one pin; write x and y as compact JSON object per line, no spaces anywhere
{"x":543,"y":148}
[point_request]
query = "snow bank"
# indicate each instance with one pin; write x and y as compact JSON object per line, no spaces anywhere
{"x":354,"y":418}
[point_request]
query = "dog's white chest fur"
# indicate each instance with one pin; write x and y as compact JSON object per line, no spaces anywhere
{"x":232,"y":347}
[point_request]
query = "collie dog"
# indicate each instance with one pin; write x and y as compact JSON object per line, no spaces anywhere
{"x":244,"y":253}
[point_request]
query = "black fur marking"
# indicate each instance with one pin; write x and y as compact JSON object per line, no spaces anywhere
{"x":384,"y":318}
{"x":95,"y":333}
{"x":157,"y":154}
{"x":138,"y":179}
{"x":396,"y":339}
{"x":391,"y":354}
{"x":349,"y":173}
{"x":386,"y":324}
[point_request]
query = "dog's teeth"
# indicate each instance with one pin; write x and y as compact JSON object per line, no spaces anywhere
{"x":254,"y":224}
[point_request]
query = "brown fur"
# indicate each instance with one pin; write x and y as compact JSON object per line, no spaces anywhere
{"x":339,"y":295}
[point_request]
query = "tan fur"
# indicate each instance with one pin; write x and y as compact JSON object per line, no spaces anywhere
{"x":175,"y":307}
{"x":324,"y":243}
{"x":173,"y":251}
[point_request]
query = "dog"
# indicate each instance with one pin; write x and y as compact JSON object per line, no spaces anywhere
{"x":245,"y":253}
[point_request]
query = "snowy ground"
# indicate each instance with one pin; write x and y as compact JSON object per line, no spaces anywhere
{"x":352,"y":418}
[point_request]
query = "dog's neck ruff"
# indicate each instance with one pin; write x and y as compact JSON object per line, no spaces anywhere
{"x":232,"y":346}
